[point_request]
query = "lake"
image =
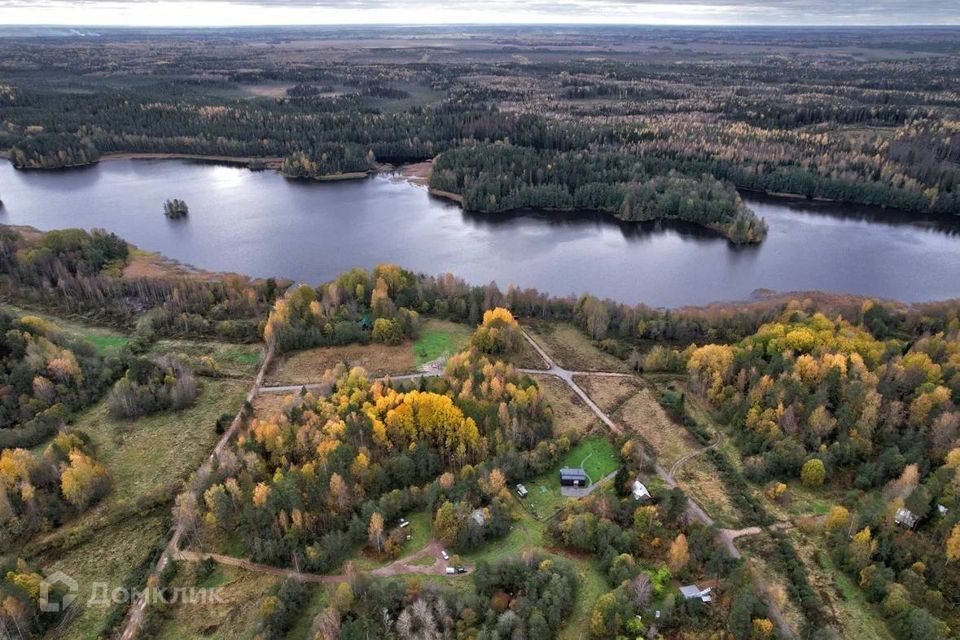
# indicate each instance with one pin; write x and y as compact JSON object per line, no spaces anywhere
{"x":261,"y":224}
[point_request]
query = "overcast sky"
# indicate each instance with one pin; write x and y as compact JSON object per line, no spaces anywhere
{"x":286,"y":12}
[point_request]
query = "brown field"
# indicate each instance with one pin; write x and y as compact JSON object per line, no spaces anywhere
{"x":572,"y":349}
{"x":609,"y":392}
{"x":644,"y":416}
{"x":235,"y":617}
{"x":268,"y":404}
{"x":850,"y":613}
{"x":757,"y":552}
{"x":146,"y":264}
{"x":109,"y":556}
{"x":308,"y":366}
{"x":698,"y":477}
{"x":526,"y":358}
{"x":570,"y":414}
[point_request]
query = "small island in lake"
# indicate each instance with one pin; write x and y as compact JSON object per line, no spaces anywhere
{"x":175,"y":209}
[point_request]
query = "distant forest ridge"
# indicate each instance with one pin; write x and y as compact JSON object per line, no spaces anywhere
{"x":640,"y":122}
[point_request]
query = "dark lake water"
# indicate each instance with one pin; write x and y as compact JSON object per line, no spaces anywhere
{"x":261,"y":224}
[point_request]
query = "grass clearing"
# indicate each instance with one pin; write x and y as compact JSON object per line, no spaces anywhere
{"x":107,"y":557}
{"x":699,"y":477}
{"x":592,"y":584}
{"x":643,"y":415}
{"x":856,"y":617}
{"x":105,"y":340}
{"x":544,"y":496}
{"x":303,"y":367}
{"x":420,"y":530}
{"x":525,"y":358}
{"x":596,"y":455}
{"x":439,"y":339}
{"x":571,"y":417}
{"x":162,"y":449}
{"x":525,"y":533}
{"x":572,"y":349}
{"x":609,"y":392}
{"x":233,"y":360}
{"x":235,"y":617}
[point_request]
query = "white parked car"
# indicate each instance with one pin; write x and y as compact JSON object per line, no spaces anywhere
{"x":446,"y":556}
{"x":451,"y":571}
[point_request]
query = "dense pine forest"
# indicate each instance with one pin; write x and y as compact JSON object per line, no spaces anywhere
{"x":844,"y":115}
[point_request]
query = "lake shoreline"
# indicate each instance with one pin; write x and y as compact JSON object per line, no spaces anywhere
{"x":261,"y":224}
{"x":414,"y":172}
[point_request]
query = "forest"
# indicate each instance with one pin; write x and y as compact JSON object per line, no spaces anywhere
{"x":847,"y":398}
{"x":646,"y":133}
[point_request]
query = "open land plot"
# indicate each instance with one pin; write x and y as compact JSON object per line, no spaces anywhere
{"x":699,"y":477}
{"x":229,"y":359}
{"x":856,"y":617}
{"x":105,"y":340}
{"x":771,"y":578}
{"x":571,"y":417}
{"x":439,"y":339}
{"x":544,"y":498}
{"x":526,"y":357}
{"x":572,"y":349}
{"x":303,"y":367}
{"x":267,"y":405}
{"x":591,"y":585}
{"x":843,"y":601}
{"x":235,"y":617}
{"x":527,"y":534}
{"x":607,"y":391}
{"x":419,"y":530}
{"x":109,"y":556}
{"x":643,"y":415}
{"x":159,"y":450}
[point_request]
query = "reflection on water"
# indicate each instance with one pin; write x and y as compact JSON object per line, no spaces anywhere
{"x":260,"y":224}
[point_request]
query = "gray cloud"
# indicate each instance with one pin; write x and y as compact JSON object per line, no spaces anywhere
{"x":892,"y":12}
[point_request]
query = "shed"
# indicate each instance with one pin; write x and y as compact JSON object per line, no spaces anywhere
{"x":693,"y":592}
{"x":522,"y":491}
{"x":573,"y":477}
{"x":640,"y":491}
{"x":906,"y":518}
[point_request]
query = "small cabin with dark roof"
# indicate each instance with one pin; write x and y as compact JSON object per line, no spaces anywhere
{"x":570,"y":477}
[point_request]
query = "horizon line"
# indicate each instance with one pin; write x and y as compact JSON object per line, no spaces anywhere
{"x":729,"y":25}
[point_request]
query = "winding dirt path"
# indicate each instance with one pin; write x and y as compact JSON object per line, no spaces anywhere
{"x":400,"y":566}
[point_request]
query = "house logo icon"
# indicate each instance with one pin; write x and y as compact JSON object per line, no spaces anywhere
{"x":47,"y":587}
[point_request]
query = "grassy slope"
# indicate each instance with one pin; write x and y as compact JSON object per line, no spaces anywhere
{"x":161,"y":449}
{"x":107,"y":557}
{"x":234,"y":618}
{"x":152,"y":455}
{"x":439,"y":338}
{"x":106,"y":341}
